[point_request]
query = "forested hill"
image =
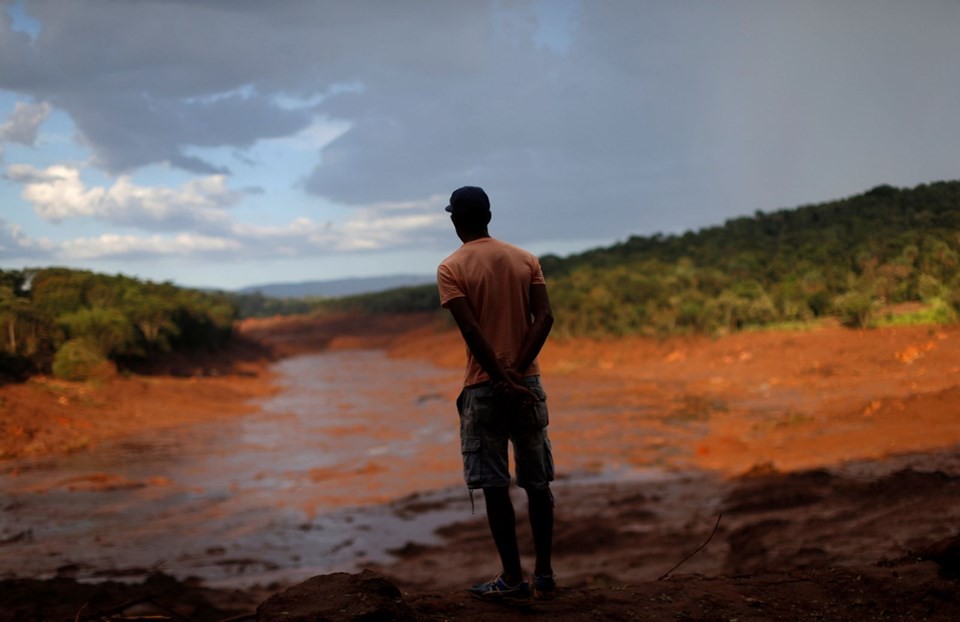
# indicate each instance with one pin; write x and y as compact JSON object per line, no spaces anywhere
{"x":875,"y":223}
{"x":80,"y":324}
{"x":851,"y":258}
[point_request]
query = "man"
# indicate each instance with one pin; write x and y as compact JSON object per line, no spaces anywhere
{"x":497,"y":295}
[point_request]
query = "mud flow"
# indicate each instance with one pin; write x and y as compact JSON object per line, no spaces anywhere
{"x":281,"y":488}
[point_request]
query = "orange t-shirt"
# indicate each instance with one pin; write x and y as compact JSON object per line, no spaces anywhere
{"x":495,"y":277}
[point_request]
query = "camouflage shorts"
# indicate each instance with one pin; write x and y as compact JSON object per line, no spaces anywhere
{"x":487,"y":423}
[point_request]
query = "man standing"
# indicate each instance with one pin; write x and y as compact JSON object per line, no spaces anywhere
{"x":498,"y":297}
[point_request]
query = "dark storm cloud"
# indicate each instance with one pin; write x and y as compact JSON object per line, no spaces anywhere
{"x":142,"y":80}
{"x":115,"y":129}
{"x":650,"y":116}
{"x":663,"y":116}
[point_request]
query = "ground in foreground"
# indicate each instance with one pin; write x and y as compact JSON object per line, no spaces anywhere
{"x":906,"y":589}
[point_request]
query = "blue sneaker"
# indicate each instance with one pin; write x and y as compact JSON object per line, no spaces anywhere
{"x":544,"y":586}
{"x":497,"y":589}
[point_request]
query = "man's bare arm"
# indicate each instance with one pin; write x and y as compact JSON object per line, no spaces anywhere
{"x":475,"y":339}
{"x":483,"y":351}
{"x":542,"y":314}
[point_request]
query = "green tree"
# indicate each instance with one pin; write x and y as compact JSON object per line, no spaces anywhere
{"x":106,"y":331}
{"x":153,"y":315}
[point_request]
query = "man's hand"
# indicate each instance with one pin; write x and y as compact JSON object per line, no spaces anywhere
{"x":512,"y":374}
{"x":514,"y":392}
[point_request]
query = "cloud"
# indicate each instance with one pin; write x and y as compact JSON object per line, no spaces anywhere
{"x":663,"y":119}
{"x":112,"y":246}
{"x":15,"y":245}
{"x":660,"y":117}
{"x":24,"y":122}
{"x":179,"y":74}
{"x":57,"y":193}
{"x":381,"y":227}
{"x":194,"y":221}
{"x":201,"y":206}
{"x":129,"y":131}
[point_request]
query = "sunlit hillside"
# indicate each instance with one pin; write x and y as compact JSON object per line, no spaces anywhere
{"x":852,"y":258}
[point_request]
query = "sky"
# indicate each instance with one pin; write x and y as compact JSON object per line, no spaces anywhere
{"x":228,"y":143}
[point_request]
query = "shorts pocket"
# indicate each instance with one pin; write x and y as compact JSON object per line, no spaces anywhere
{"x":469,"y":445}
{"x":541,"y":414}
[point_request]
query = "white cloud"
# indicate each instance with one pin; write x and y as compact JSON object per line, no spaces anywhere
{"x":200,"y":224}
{"x":112,"y":246}
{"x":58,"y":193}
{"x":382,"y":224}
{"x":373,"y":229}
{"x":15,"y":245}
{"x":386,"y":226}
{"x":24,"y":123}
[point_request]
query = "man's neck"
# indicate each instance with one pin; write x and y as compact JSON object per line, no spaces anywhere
{"x":474,"y":236}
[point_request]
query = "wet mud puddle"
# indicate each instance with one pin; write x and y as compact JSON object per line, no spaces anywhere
{"x":294,"y":489}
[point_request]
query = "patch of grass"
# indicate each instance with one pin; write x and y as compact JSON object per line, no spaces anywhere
{"x":789,"y":325}
{"x":938,"y":311}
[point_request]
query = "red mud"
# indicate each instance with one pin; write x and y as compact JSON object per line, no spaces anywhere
{"x":847,"y":439}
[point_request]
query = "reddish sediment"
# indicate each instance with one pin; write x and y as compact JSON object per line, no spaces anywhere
{"x":830,"y":452}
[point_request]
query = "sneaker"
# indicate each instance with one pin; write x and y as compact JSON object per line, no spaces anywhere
{"x":497,"y":589}
{"x":544,"y":586}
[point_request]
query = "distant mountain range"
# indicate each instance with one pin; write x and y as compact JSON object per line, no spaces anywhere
{"x":338,"y":287}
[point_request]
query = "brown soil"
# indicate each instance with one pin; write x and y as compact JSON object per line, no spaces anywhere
{"x":830,"y":453}
{"x":47,"y":416}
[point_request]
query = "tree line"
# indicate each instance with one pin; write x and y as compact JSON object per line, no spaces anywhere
{"x":849,"y":258}
{"x":78,"y":324}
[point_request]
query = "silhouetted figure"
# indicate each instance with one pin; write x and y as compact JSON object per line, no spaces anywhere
{"x":498,"y":297}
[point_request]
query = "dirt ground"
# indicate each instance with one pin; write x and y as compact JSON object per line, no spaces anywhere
{"x":46,"y":416}
{"x":831,"y":455}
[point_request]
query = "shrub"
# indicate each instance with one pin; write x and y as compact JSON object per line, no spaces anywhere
{"x":77,"y":359}
{"x":854,"y":308}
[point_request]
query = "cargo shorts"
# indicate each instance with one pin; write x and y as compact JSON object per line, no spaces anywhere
{"x":487,"y":423}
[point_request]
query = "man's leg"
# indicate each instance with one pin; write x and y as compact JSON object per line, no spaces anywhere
{"x":534,"y":459}
{"x":503,"y":526}
{"x":540,"y":504}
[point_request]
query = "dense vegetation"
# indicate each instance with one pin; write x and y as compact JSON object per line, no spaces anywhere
{"x":257,"y":304}
{"x":80,"y":324}
{"x":847,"y":258}
{"x":397,"y":300}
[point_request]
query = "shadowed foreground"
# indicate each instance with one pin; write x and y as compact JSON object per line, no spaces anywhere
{"x":857,"y":543}
{"x":905,"y":589}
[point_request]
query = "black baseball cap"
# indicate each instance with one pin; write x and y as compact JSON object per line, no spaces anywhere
{"x":469,"y":199}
